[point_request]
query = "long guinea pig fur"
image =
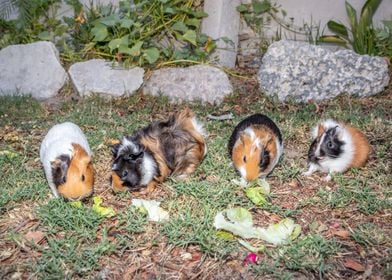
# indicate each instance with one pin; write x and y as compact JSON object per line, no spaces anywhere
{"x":149,"y":156}
{"x":66,"y":158}
{"x":336,"y":147}
{"x":255,"y":147}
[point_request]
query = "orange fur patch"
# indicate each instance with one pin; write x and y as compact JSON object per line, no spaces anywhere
{"x":80,"y":165}
{"x":361,"y":147}
{"x":117,"y":184}
{"x":245,"y":147}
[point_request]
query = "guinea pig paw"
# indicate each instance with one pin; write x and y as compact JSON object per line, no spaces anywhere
{"x":327,"y":178}
{"x":307,"y":173}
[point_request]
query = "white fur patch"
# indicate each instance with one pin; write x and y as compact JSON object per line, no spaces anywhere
{"x":149,"y":169}
{"x":199,"y":127}
{"x":242,"y":171}
{"x":341,"y":163}
{"x":126,"y":143}
{"x":249,"y":131}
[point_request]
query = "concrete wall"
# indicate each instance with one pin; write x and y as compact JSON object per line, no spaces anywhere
{"x":321,"y":11}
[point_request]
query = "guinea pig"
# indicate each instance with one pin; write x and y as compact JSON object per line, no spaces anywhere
{"x":163,"y":148}
{"x":66,"y":158}
{"x":336,"y":147}
{"x":255,"y":147}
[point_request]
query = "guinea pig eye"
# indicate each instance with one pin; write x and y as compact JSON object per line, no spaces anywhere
{"x":330,"y":145}
{"x":244,"y":158}
{"x":82,"y":178}
{"x":124,"y":173}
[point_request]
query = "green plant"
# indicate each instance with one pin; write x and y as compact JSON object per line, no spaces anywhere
{"x":361,"y":35}
{"x":143,"y":32}
{"x":384,"y":39}
{"x":36,"y":20}
{"x":260,"y":13}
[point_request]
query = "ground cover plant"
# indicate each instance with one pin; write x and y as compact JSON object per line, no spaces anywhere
{"x":346,"y":223}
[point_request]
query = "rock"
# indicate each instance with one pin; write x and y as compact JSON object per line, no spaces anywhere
{"x":223,"y":21}
{"x":201,"y":82}
{"x":104,"y":77}
{"x":32,"y":69}
{"x":306,"y":72}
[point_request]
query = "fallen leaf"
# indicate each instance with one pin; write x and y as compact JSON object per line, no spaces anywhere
{"x":345,"y":234}
{"x":354,"y":265}
{"x":34,"y":236}
{"x":101,"y":210}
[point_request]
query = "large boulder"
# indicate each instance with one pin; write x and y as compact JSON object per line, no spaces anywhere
{"x":306,"y":72}
{"x":32,"y":69}
{"x":104,"y":77}
{"x":195,"y":83}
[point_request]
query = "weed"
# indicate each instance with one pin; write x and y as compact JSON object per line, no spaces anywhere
{"x":67,"y":258}
{"x":58,"y":215}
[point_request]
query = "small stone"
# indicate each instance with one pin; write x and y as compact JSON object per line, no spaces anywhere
{"x":195,"y":83}
{"x":305,"y":72}
{"x":104,"y":77}
{"x":31,"y":69}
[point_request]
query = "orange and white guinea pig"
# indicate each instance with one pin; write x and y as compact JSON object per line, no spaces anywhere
{"x":66,"y":158}
{"x":255,"y":147}
{"x":336,"y":147}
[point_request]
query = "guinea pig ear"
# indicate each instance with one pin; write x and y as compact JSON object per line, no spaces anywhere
{"x":320,"y":130}
{"x":115,"y":149}
{"x":59,"y":169}
{"x":334,"y":132}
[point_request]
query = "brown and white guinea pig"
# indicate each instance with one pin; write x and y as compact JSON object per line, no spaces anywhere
{"x":255,"y":147}
{"x":336,"y":147}
{"x":176,"y":146}
{"x":66,"y":158}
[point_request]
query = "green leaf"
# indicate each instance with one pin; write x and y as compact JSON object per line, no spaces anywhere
{"x":332,"y":39}
{"x":225,"y":235}
{"x":368,"y":10}
{"x":190,"y":36}
{"x":126,"y":23}
{"x":45,"y":36}
{"x":100,"y":32}
{"x":352,"y":16}
{"x":114,"y":44}
{"x":151,"y":54}
{"x":60,"y":30}
{"x":193,"y":22}
{"x":256,"y":195}
{"x":261,"y":7}
{"x":388,"y":24}
{"x":242,"y":8}
{"x":125,"y":49}
{"x":110,"y":20}
{"x":135,"y":50}
{"x":179,"y":26}
{"x":338,"y":28}
{"x":200,"y":14}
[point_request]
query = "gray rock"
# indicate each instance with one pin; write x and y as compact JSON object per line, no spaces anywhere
{"x":32,"y":69}
{"x":195,"y":83}
{"x":306,"y":72}
{"x":100,"y":76}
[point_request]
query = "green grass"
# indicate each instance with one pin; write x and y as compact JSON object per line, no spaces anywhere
{"x":78,"y":243}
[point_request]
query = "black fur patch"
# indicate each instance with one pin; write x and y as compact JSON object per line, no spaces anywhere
{"x":59,"y":169}
{"x":264,"y":160}
{"x":331,"y":146}
{"x":252,"y":120}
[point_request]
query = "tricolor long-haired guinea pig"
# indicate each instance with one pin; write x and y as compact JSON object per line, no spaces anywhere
{"x":66,"y":158}
{"x":255,"y":147}
{"x":150,"y":155}
{"x":336,"y":147}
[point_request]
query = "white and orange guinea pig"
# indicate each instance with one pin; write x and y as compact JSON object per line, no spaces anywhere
{"x":336,"y":147}
{"x":255,"y":147}
{"x":163,"y":148}
{"x":66,"y":158}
